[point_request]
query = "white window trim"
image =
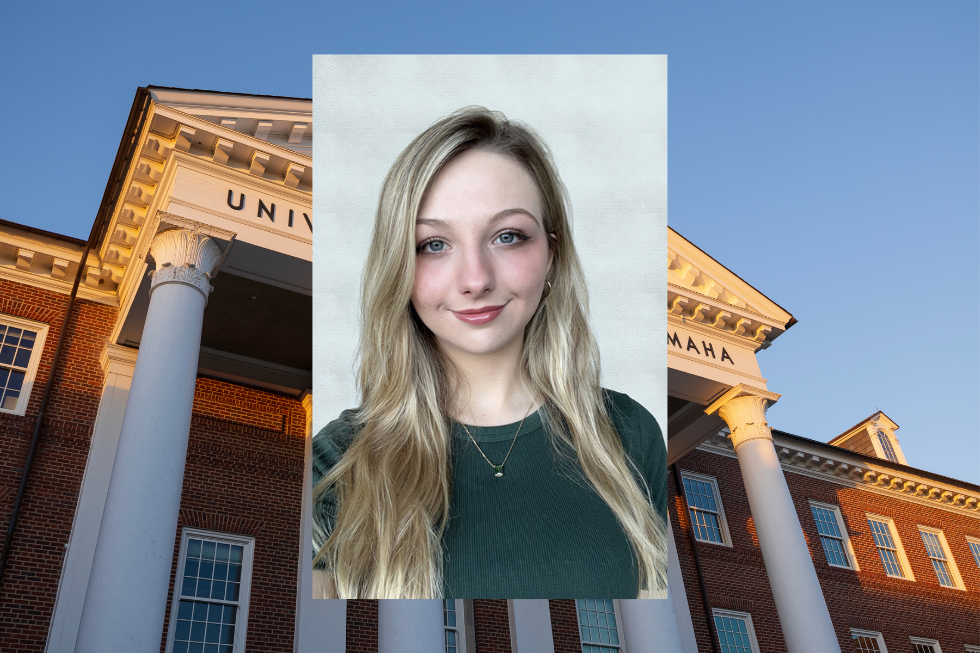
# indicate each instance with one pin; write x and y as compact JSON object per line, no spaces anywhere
{"x":950,"y":561}
{"x":848,"y":547}
{"x":726,"y":539}
{"x":244,"y":592}
{"x":874,"y":634}
{"x":975,"y":540}
{"x":619,"y":629}
{"x":971,"y":648}
{"x":718,"y":612}
{"x":880,"y":451}
{"x":42,"y":333}
{"x":464,"y":623}
{"x":934,"y":643}
{"x":902,"y":558}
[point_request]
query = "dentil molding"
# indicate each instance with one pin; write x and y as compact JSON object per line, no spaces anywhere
{"x":185,"y":257}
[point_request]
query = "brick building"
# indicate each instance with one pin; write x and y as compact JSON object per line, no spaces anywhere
{"x":163,"y":501}
{"x":173,"y":436}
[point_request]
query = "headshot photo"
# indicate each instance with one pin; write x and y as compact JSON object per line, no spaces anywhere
{"x":489,"y":375}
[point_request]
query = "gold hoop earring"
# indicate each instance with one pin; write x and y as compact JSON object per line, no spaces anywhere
{"x":548,"y":291}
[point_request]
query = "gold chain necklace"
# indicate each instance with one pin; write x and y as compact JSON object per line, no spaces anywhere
{"x":498,"y":470}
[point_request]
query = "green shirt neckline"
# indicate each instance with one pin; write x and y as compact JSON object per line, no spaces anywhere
{"x":497,"y":433}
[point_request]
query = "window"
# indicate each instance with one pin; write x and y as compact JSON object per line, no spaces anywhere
{"x":735,"y":631}
{"x":867,"y":641}
{"x":974,"y":549}
{"x":598,"y":626}
{"x":922,"y":645}
{"x":970,"y":648}
{"x":889,"y":547}
{"x":454,"y":622}
{"x":210,"y":606}
{"x":942,"y":560}
{"x":833,"y":535}
{"x":21,"y":344}
{"x":886,"y":446}
{"x":707,"y":514}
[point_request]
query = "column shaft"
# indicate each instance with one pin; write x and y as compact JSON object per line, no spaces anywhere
{"x":410,"y":626}
{"x":800,"y":603}
{"x":127,"y":591}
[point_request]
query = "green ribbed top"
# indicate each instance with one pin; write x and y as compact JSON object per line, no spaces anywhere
{"x":539,"y":531}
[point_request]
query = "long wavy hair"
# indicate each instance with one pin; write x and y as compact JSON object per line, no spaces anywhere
{"x":392,"y":486}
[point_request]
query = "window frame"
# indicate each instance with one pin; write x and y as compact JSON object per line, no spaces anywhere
{"x":954,"y":571}
{"x":30,"y":373}
{"x":848,"y":547}
{"x":245,"y":588}
{"x":971,"y":648}
{"x":903,"y":559}
{"x":734,"y":614}
{"x":617,"y":615}
{"x":459,"y":606}
{"x":970,"y":543}
{"x":934,"y":643}
{"x":726,"y":538}
{"x":860,"y":632}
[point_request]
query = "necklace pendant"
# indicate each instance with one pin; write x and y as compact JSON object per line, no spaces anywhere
{"x":498,"y":470}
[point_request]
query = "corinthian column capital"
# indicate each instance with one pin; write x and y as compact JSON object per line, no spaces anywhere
{"x":185,"y":257}
{"x":744,"y":410}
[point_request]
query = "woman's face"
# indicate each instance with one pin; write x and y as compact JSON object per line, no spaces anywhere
{"x":482,"y":254}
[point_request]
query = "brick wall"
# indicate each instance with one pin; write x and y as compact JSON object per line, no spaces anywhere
{"x":362,"y":626}
{"x":30,"y":584}
{"x":491,"y":625}
{"x":736,"y":579}
{"x":244,"y":475}
{"x":564,"y":626}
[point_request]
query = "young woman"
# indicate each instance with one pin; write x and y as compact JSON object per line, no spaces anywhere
{"x":485,"y":461}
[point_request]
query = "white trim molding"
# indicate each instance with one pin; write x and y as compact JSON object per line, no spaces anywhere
{"x":241,"y":618}
{"x":954,"y":571}
{"x":925,"y":641}
{"x":29,"y":372}
{"x":845,"y":538}
{"x":903,"y":560}
{"x":873,"y":634}
{"x":745,"y":617}
{"x":726,"y":538}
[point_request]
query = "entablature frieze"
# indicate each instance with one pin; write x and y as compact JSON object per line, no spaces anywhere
{"x":850,"y":471}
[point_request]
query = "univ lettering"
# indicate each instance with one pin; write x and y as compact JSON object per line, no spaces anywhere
{"x":268,"y":210}
{"x":674,"y":341}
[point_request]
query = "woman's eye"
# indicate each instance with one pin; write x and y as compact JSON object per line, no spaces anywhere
{"x":431,"y":246}
{"x":510,"y":237}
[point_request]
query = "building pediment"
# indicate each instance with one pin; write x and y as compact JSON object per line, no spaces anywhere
{"x":703,"y":292}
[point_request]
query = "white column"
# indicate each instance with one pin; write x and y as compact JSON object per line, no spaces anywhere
{"x":127,"y":591}
{"x":117,"y":364}
{"x":410,"y":626}
{"x":800,"y":603}
{"x":530,"y":626}
{"x":650,"y":626}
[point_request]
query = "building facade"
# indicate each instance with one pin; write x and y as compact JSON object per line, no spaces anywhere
{"x":178,"y":409}
{"x":159,"y":504}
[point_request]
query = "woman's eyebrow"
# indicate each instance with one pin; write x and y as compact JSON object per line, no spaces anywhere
{"x":499,"y":215}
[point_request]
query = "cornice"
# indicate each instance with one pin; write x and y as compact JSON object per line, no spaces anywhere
{"x":46,"y":282}
{"x":203,"y":164}
{"x":227,"y":133}
{"x":847,"y":471}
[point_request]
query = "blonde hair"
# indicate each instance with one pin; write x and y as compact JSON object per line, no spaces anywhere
{"x":392,"y":486}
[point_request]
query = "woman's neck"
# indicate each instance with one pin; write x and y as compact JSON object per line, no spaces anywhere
{"x":494,"y":390}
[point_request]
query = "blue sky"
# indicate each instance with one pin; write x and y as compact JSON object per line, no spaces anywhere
{"x":826,"y":152}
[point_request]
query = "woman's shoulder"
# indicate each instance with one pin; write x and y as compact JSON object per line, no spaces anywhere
{"x":330,"y":443}
{"x":637,"y":427}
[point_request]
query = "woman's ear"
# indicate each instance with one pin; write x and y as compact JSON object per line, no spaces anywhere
{"x":552,"y":245}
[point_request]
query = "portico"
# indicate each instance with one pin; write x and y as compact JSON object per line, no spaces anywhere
{"x":206,"y":287}
{"x":716,"y":325}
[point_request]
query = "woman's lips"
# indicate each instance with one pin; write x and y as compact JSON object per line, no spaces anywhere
{"x":479,"y":315}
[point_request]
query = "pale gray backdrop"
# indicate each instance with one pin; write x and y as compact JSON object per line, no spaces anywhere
{"x":604,"y":118}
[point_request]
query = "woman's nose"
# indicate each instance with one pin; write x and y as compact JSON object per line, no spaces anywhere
{"x":475,"y":272}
